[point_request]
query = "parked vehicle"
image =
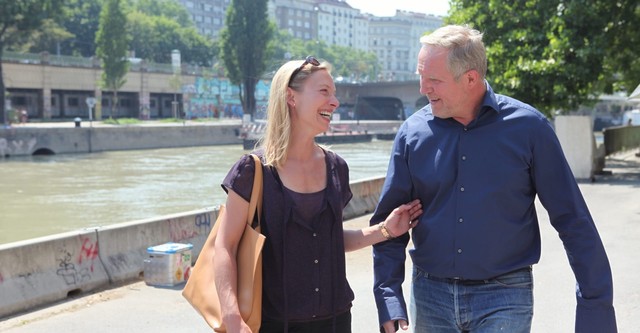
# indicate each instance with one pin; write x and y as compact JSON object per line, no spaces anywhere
{"x":373,"y":108}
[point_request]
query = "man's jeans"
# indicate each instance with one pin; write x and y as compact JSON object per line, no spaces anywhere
{"x":501,"y":304}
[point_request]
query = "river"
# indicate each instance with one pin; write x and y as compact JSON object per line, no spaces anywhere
{"x":45,"y":195}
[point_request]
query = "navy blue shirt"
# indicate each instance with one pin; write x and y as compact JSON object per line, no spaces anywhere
{"x":303,"y":261}
{"x":477,"y":184}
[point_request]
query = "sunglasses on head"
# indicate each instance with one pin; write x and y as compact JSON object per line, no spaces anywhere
{"x":309,"y":60}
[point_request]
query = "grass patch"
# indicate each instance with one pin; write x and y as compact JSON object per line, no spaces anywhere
{"x":122,"y":121}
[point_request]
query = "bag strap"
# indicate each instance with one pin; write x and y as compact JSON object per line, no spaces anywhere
{"x":255,"y":203}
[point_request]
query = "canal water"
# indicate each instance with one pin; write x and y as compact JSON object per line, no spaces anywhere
{"x":45,"y":195}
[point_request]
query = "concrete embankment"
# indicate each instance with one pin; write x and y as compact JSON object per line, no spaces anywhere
{"x":45,"y":270}
{"x":52,"y":139}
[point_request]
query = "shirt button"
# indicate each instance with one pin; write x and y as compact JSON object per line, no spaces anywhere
{"x":464,"y":157}
{"x":314,"y":234}
{"x":315,"y":261}
{"x":460,"y":220}
{"x":461,"y":188}
{"x":317,"y":289}
{"x":459,"y":250}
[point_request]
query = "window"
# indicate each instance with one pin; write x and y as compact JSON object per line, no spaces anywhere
{"x":19,"y":100}
{"x":125,"y":103}
{"x":73,"y":101}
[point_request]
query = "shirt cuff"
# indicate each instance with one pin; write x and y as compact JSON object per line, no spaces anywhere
{"x":596,"y":320}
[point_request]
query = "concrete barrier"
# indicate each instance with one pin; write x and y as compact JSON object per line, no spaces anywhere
{"x":621,"y":138}
{"x":56,"y":140}
{"x":45,"y":270}
{"x":366,"y":193}
{"x":578,"y":143}
{"x":48,"y":269}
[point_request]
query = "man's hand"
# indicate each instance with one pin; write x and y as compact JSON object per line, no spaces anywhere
{"x":389,"y":326}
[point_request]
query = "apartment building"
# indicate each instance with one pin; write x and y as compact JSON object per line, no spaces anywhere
{"x":208,"y":15}
{"x":394,"y":39}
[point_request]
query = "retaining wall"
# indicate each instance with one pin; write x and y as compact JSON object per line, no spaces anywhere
{"x":48,"y":269}
{"x":59,"y":140}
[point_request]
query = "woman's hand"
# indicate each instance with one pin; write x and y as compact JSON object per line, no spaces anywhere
{"x":403,"y":218}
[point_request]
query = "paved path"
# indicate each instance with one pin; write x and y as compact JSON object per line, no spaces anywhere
{"x":614,"y":201}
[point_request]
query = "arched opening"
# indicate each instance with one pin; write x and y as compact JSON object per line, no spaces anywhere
{"x":43,"y":151}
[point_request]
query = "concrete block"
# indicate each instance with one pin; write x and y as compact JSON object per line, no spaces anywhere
{"x":366,"y":193}
{"x":48,"y":269}
{"x":578,"y":143}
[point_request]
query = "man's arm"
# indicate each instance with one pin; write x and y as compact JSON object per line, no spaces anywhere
{"x":560,"y":195}
{"x":389,"y":256}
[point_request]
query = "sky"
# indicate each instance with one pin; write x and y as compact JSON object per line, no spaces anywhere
{"x":388,"y":7}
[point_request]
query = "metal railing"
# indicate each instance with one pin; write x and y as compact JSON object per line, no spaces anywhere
{"x":93,"y":62}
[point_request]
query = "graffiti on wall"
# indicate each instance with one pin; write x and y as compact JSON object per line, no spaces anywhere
{"x":78,"y":270}
{"x":68,"y":271}
{"x":179,"y":230}
{"x":17,"y":147}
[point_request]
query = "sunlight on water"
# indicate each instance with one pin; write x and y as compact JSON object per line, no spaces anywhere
{"x":45,"y":195}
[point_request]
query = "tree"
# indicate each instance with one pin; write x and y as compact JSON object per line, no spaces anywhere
{"x":245,"y":46}
{"x":112,"y":43}
{"x":550,"y":54}
{"x":623,"y":56}
{"x":152,"y":36}
{"x":47,"y":38}
{"x":20,"y":18}
{"x":345,"y":61}
{"x":81,"y":18}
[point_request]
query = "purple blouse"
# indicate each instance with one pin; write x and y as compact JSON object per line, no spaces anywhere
{"x":304,"y":274}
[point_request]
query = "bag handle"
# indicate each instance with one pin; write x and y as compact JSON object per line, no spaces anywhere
{"x":255,"y":203}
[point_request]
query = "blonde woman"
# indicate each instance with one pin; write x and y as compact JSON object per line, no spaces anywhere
{"x":306,"y":187}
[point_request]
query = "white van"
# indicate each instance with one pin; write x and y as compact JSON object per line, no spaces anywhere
{"x":631,"y":118}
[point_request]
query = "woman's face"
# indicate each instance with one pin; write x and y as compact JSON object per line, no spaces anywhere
{"x":313,"y":106}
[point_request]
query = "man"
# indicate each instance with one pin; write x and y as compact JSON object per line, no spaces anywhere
{"x":477,"y":160}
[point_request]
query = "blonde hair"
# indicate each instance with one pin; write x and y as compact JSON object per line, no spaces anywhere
{"x":275,"y":142}
{"x":466,"y":48}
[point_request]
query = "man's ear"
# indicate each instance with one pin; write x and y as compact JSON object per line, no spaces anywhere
{"x":472,"y":77}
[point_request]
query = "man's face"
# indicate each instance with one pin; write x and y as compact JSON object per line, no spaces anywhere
{"x":438,"y":84}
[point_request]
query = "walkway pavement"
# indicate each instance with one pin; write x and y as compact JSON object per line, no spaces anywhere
{"x":614,"y":201}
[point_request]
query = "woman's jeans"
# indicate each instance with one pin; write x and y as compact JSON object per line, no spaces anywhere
{"x":501,"y":304}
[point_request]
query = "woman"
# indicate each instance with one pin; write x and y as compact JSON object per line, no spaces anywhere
{"x":306,"y":187}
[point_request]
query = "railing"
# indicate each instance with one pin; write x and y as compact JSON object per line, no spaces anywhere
{"x":92,"y":62}
{"x":621,"y":138}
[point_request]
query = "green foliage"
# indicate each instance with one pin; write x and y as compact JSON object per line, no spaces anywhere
{"x":18,"y":18}
{"x":245,"y":46}
{"x":112,"y":43}
{"x":346,"y":61}
{"x":157,"y":27}
{"x":122,"y":121}
{"x":170,"y":9}
{"x":46,"y":38}
{"x":623,"y":55}
{"x":550,"y":54}
{"x":81,"y":19}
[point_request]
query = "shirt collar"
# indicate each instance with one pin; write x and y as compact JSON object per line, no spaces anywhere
{"x":489,"y":101}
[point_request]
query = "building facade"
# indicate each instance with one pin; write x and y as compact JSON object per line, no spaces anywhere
{"x":394,"y":39}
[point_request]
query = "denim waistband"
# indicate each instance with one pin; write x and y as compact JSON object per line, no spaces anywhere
{"x":469,"y":282}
